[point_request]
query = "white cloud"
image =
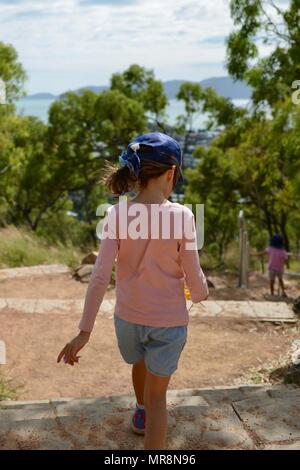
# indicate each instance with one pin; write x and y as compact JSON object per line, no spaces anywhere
{"x":70,"y":43}
{"x":110,"y":3}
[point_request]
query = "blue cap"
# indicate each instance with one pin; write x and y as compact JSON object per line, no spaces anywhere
{"x":277,"y":241}
{"x":165,"y":150}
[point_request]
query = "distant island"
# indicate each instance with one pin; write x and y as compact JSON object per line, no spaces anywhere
{"x":224,"y":86}
{"x":40,"y":96}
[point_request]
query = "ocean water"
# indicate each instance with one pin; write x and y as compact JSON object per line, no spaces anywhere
{"x":39,"y":108}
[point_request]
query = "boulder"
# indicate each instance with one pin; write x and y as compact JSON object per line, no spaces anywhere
{"x":83,"y":272}
{"x":90,"y":258}
{"x":296,"y":306}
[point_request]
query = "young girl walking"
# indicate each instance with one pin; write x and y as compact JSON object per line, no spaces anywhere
{"x":154,"y":261}
{"x":277,"y":259}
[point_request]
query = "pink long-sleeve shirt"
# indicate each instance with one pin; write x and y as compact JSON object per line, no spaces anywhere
{"x":155,"y":256}
{"x":277,"y":258}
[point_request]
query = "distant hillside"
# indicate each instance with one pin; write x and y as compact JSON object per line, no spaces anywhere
{"x":224,"y":86}
{"x":95,"y":89}
{"x":227,"y":87}
{"x":172,"y":87}
{"x":41,"y":96}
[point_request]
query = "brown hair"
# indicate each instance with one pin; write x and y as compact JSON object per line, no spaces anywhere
{"x":119,"y":180}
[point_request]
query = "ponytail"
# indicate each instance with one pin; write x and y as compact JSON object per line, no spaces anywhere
{"x":120,"y":180}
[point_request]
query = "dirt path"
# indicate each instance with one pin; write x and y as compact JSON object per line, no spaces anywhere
{"x":217,"y":352}
{"x":63,"y":286}
{"x":60,"y":286}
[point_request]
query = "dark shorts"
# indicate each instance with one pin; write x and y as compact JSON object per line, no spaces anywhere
{"x":273,"y":274}
{"x":159,"y":347}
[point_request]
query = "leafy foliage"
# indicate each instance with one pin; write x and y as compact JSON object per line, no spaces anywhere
{"x":264,"y":22}
{"x":140,"y":84}
{"x":11,"y":72}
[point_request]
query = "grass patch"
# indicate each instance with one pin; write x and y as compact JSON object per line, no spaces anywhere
{"x":230,"y":261}
{"x":279,"y":371}
{"x":294,"y":265}
{"x":280,"y":374}
{"x":288,"y":374}
{"x":8,"y":391}
{"x":20,"y":247}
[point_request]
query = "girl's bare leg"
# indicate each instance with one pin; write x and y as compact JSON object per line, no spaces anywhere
{"x":272,"y":287}
{"x":138,"y":380}
{"x":282,"y":286}
{"x":156,"y":411}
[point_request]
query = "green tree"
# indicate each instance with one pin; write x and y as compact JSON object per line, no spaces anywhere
{"x":118,"y":120}
{"x":276,"y":25}
{"x":11,"y":72}
{"x":253,"y":164}
{"x":221,"y":111}
{"x":213,"y":184}
{"x":36,"y":187}
{"x":11,"y":160}
{"x":140,"y":84}
{"x":84,"y":131}
{"x":192,"y":96}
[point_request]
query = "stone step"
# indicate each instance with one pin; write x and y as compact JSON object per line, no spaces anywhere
{"x":218,"y":418}
{"x":38,"y":270}
{"x":96,"y":423}
{"x":247,"y":310}
{"x":15,"y":411}
{"x":57,"y":306}
{"x":190,"y":396}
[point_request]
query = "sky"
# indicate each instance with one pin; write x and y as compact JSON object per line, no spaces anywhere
{"x":67,"y":44}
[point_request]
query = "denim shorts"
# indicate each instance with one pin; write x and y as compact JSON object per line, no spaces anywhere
{"x":159,"y":347}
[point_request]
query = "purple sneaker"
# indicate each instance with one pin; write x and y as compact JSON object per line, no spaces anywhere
{"x":138,"y":421}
